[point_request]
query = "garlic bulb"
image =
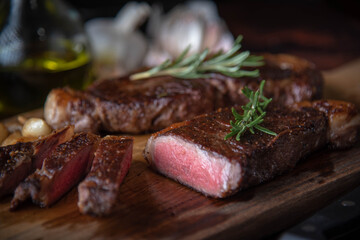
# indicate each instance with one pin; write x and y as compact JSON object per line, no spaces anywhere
{"x":195,"y":24}
{"x":118,"y":47}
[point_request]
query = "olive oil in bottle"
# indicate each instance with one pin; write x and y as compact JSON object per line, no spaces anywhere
{"x":26,"y":86}
{"x":42,"y":46}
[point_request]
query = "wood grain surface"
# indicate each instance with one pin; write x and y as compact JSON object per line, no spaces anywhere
{"x":151,"y":206}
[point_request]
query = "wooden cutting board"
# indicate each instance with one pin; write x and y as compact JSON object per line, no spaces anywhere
{"x":152,"y":206}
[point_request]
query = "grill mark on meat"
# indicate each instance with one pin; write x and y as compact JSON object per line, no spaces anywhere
{"x":61,"y":170}
{"x":195,"y":153}
{"x":21,"y":159}
{"x":121,"y":105}
{"x":98,"y":192}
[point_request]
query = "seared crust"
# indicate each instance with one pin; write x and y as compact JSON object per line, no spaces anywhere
{"x":65,"y":106}
{"x":99,"y":190}
{"x":343,"y":121}
{"x":140,"y":106}
{"x":15,"y":165}
{"x":121,"y":105}
{"x":289,"y":79}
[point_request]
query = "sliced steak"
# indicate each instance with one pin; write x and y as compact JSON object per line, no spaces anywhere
{"x":21,"y":159}
{"x":195,"y":153}
{"x":98,"y":192}
{"x":121,"y":105}
{"x":15,"y":165}
{"x":61,"y":170}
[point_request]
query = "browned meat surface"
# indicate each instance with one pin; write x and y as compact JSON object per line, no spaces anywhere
{"x":134,"y":107}
{"x":46,"y":145}
{"x":21,"y":159}
{"x":121,"y":105}
{"x":61,"y":170}
{"x":195,"y":153}
{"x":98,"y":192}
{"x":288,"y":80}
{"x":65,"y":107}
{"x":15,"y":165}
{"x":343,"y":119}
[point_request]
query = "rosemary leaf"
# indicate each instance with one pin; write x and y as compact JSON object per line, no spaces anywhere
{"x":200,"y":65}
{"x":253,"y":115}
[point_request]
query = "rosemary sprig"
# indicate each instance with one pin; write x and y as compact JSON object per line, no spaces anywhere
{"x":200,"y":65}
{"x":254,"y":113}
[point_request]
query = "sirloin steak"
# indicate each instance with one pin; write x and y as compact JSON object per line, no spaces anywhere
{"x":195,"y":153}
{"x":21,"y":159}
{"x":121,"y":105}
{"x":99,"y":190}
{"x":61,"y":170}
{"x":15,"y":165}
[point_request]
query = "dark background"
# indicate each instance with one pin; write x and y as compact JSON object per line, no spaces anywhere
{"x":325,"y":32}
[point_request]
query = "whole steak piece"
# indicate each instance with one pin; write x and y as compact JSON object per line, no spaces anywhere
{"x":61,"y":170}
{"x":121,"y":105}
{"x":195,"y":153}
{"x":15,"y":165}
{"x":99,"y":190}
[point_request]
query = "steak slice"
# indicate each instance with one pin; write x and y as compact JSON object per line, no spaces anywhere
{"x":195,"y":153}
{"x":61,"y":170}
{"x":98,"y":192}
{"x":15,"y":165}
{"x":46,"y":145}
{"x":121,"y":105}
{"x":21,"y":159}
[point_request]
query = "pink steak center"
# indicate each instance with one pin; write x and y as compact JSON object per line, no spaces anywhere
{"x":189,"y":164}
